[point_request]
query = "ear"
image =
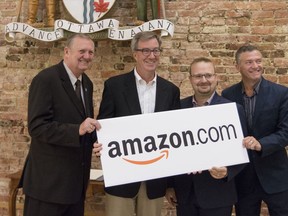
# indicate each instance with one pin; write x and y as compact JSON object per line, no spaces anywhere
{"x":134,"y":55}
{"x":66,"y":50}
{"x":237,"y":67}
{"x":190,"y":78}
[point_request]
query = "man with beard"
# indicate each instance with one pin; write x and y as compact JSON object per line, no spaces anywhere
{"x":211,"y":192}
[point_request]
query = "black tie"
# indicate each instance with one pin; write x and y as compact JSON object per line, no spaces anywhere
{"x":78,"y":89}
{"x":78,"y":92}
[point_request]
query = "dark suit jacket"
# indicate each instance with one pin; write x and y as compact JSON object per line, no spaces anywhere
{"x":209,"y":192}
{"x":270,"y":128}
{"x":58,"y":164}
{"x":120,"y":98}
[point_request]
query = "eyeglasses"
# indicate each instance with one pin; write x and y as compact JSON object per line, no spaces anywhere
{"x":147,"y":51}
{"x":200,"y":76}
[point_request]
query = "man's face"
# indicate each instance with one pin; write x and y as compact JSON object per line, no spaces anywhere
{"x":203,"y":79}
{"x":250,"y":65}
{"x":149,"y":63}
{"x":79,"y":55}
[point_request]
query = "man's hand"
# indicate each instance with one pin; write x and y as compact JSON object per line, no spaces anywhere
{"x":171,"y":197}
{"x":97,"y":147}
{"x":88,"y":126}
{"x":218,"y":172}
{"x":251,"y":143}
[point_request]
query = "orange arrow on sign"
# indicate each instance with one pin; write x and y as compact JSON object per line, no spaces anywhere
{"x":166,"y":152}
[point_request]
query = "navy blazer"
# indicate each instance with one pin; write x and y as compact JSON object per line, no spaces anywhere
{"x":270,"y":128}
{"x":120,"y":98}
{"x":58,"y":164}
{"x":210,"y":192}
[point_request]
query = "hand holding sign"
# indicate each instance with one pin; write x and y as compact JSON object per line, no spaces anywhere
{"x":131,"y":154}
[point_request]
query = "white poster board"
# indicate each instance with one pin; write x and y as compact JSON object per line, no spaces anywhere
{"x":149,"y":146}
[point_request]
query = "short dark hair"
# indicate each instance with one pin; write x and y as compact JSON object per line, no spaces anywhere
{"x":242,"y":49}
{"x":144,"y":36}
{"x":200,"y":59}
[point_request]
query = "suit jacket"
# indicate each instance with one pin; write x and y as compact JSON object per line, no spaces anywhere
{"x":209,"y":192}
{"x":270,"y":128}
{"x":120,"y":98}
{"x":58,"y":164}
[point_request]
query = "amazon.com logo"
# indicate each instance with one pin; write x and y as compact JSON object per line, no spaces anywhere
{"x":163,"y":142}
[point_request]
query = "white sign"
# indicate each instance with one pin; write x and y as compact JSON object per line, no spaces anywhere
{"x":149,"y":146}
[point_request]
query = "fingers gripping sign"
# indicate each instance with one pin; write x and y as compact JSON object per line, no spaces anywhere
{"x":88,"y":126}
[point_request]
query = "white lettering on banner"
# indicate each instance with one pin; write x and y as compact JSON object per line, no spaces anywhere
{"x":111,"y":24}
{"x":156,"y":145}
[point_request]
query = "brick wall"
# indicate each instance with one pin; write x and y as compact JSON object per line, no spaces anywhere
{"x":203,"y":28}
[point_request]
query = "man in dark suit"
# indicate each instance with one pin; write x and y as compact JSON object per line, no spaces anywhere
{"x":62,"y":131}
{"x":137,"y":92}
{"x":266,"y":108}
{"x":211,"y":192}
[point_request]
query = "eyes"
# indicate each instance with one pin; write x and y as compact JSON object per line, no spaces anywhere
{"x":147,"y":51}
{"x":86,"y":51}
{"x":257,"y":61}
{"x":200,"y":76}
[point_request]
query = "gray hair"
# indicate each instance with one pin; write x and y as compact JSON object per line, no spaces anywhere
{"x":71,"y":38}
{"x":242,"y":49}
{"x":144,"y":36}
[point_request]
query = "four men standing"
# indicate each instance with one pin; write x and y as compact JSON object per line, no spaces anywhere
{"x":54,"y":117}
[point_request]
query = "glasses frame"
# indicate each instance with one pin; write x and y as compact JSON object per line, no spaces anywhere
{"x":206,"y":75}
{"x":147,"y":51}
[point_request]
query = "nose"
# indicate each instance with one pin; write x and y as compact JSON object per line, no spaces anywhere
{"x":203,"y":77}
{"x":151,"y":53}
{"x":255,"y":64}
{"x":87,"y":55}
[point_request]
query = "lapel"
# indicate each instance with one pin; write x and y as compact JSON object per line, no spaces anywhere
{"x":131,"y":95}
{"x":187,"y":102}
{"x":238,"y":94}
{"x":216,"y":99}
{"x":261,"y":100}
{"x":86,"y":95}
{"x":66,"y":83}
{"x":161,"y":95}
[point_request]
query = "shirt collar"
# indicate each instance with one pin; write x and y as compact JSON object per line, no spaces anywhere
{"x":256,"y":87}
{"x":139,"y":78}
{"x":208,"y":102}
{"x":72,"y":77}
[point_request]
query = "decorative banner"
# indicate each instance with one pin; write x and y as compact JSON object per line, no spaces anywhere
{"x":111,"y":25}
{"x":88,"y":11}
{"x":127,"y":34}
{"x":156,"y":145}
